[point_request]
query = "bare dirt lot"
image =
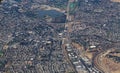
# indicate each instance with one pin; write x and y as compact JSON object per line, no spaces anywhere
{"x":115,"y":0}
{"x":106,"y":64}
{"x":111,"y":66}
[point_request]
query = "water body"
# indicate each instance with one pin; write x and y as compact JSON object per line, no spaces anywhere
{"x":57,"y":17}
{"x":52,"y":13}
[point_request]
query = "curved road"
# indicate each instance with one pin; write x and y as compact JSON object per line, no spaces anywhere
{"x":98,"y":64}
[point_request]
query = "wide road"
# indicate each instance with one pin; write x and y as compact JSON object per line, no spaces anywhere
{"x":67,"y":38}
{"x":68,"y":23}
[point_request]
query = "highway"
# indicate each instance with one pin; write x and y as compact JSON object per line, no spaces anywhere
{"x":67,"y":39}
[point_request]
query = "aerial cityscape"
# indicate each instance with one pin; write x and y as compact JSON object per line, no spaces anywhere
{"x":59,"y":36}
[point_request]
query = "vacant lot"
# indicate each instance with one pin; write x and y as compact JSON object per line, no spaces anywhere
{"x":106,"y":64}
{"x":115,"y":0}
